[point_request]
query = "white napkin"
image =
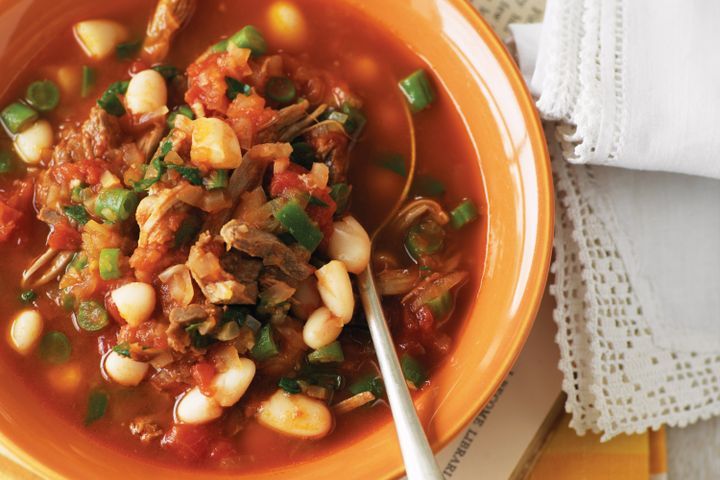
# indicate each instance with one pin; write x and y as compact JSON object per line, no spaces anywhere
{"x":637,"y":271}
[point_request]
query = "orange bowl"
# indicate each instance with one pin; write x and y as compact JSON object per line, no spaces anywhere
{"x":499,"y":116}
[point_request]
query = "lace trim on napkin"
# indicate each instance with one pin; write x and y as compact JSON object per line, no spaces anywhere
{"x":602,"y":327}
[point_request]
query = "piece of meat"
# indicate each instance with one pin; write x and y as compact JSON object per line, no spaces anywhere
{"x":245,"y":269}
{"x":256,"y":243}
{"x":181,"y":317}
{"x":159,"y":217}
{"x":219,"y":286}
{"x":285,"y":120}
{"x":145,"y":428}
{"x":169,"y":17}
{"x":175,"y":377}
{"x":93,"y":139}
{"x":332,"y":145}
{"x":246,"y":177}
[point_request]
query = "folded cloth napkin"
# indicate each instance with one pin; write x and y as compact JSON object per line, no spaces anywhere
{"x":637,"y":273}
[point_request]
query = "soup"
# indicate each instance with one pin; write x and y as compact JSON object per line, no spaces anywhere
{"x":184,"y":211}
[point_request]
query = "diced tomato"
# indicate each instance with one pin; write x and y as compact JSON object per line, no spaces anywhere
{"x":246,"y":115}
{"x":63,"y":237}
{"x":88,"y":171}
{"x":13,"y":205}
{"x":190,"y":442}
{"x":417,"y":334}
{"x":147,"y":335}
{"x":203,"y":374}
{"x":206,"y":78}
{"x":9,"y":218}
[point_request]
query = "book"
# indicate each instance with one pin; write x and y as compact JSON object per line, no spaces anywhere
{"x":507,"y":434}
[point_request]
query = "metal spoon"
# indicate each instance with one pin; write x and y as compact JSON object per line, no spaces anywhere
{"x":416,"y":452}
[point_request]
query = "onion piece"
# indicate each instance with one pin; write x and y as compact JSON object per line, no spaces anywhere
{"x":431,"y":288}
{"x":396,"y":281}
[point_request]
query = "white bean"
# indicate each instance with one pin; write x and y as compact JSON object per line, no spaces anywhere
{"x":195,"y":408}
{"x":336,"y":290}
{"x":232,"y":384}
{"x":98,"y":38}
{"x":296,"y":415}
{"x":124,"y":370}
{"x":146,"y":92}
{"x":135,"y":302}
{"x":287,"y":24}
{"x":25,"y":331}
{"x":350,"y":244}
{"x":214,"y":144}
{"x":30,"y":143}
{"x":321,"y":329}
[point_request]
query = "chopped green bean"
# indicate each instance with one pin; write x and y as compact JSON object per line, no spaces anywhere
{"x":424,"y":238}
{"x":368,"y":383}
{"x":17,"y":117}
{"x":292,"y":216}
{"x":220,"y":46}
{"x":97,"y":405}
{"x":88,"y":81}
{"x":280,"y":90}
{"x":441,"y":306}
{"x":116,"y":204}
{"x":109,"y":263}
{"x":91,"y":316}
{"x":43,"y":95}
{"x":356,"y":119}
{"x":328,"y":354}
{"x":413,"y":370}
{"x":28,"y":296}
{"x":265,"y":346}
{"x":250,"y":37}
{"x":417,"y":90}
{"x":55,"y":348}
{"x":463,"y":214}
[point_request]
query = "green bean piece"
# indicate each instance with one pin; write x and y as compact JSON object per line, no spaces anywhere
{"x":413,"y":370}
{"x":463,"y":214}
{"x":441,"y":305}
{"x":424,"y":238}
{"x":43,"y":95}
{"x":91,"y":316}
{"x":183,"y":110}
{"x":116,"y":204}
{"x":265,"y":346}
{"x":97,"y":405}
{"x":280,"y":90}
{"x":331,"y":353}
{"x":250,"y":37}
{"x":88,"y":81}
{"x":290,"y":385}
{"x":109,"y":264}
{"x":28,"y":296}
{"x":17,"y":117}
{"x":55,"y":348}
{"x":292,"y":216}
{"x":418,"y":90}
{"x":216,"y":179}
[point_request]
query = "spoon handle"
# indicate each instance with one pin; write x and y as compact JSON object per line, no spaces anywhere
{"x":418,"y":457}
